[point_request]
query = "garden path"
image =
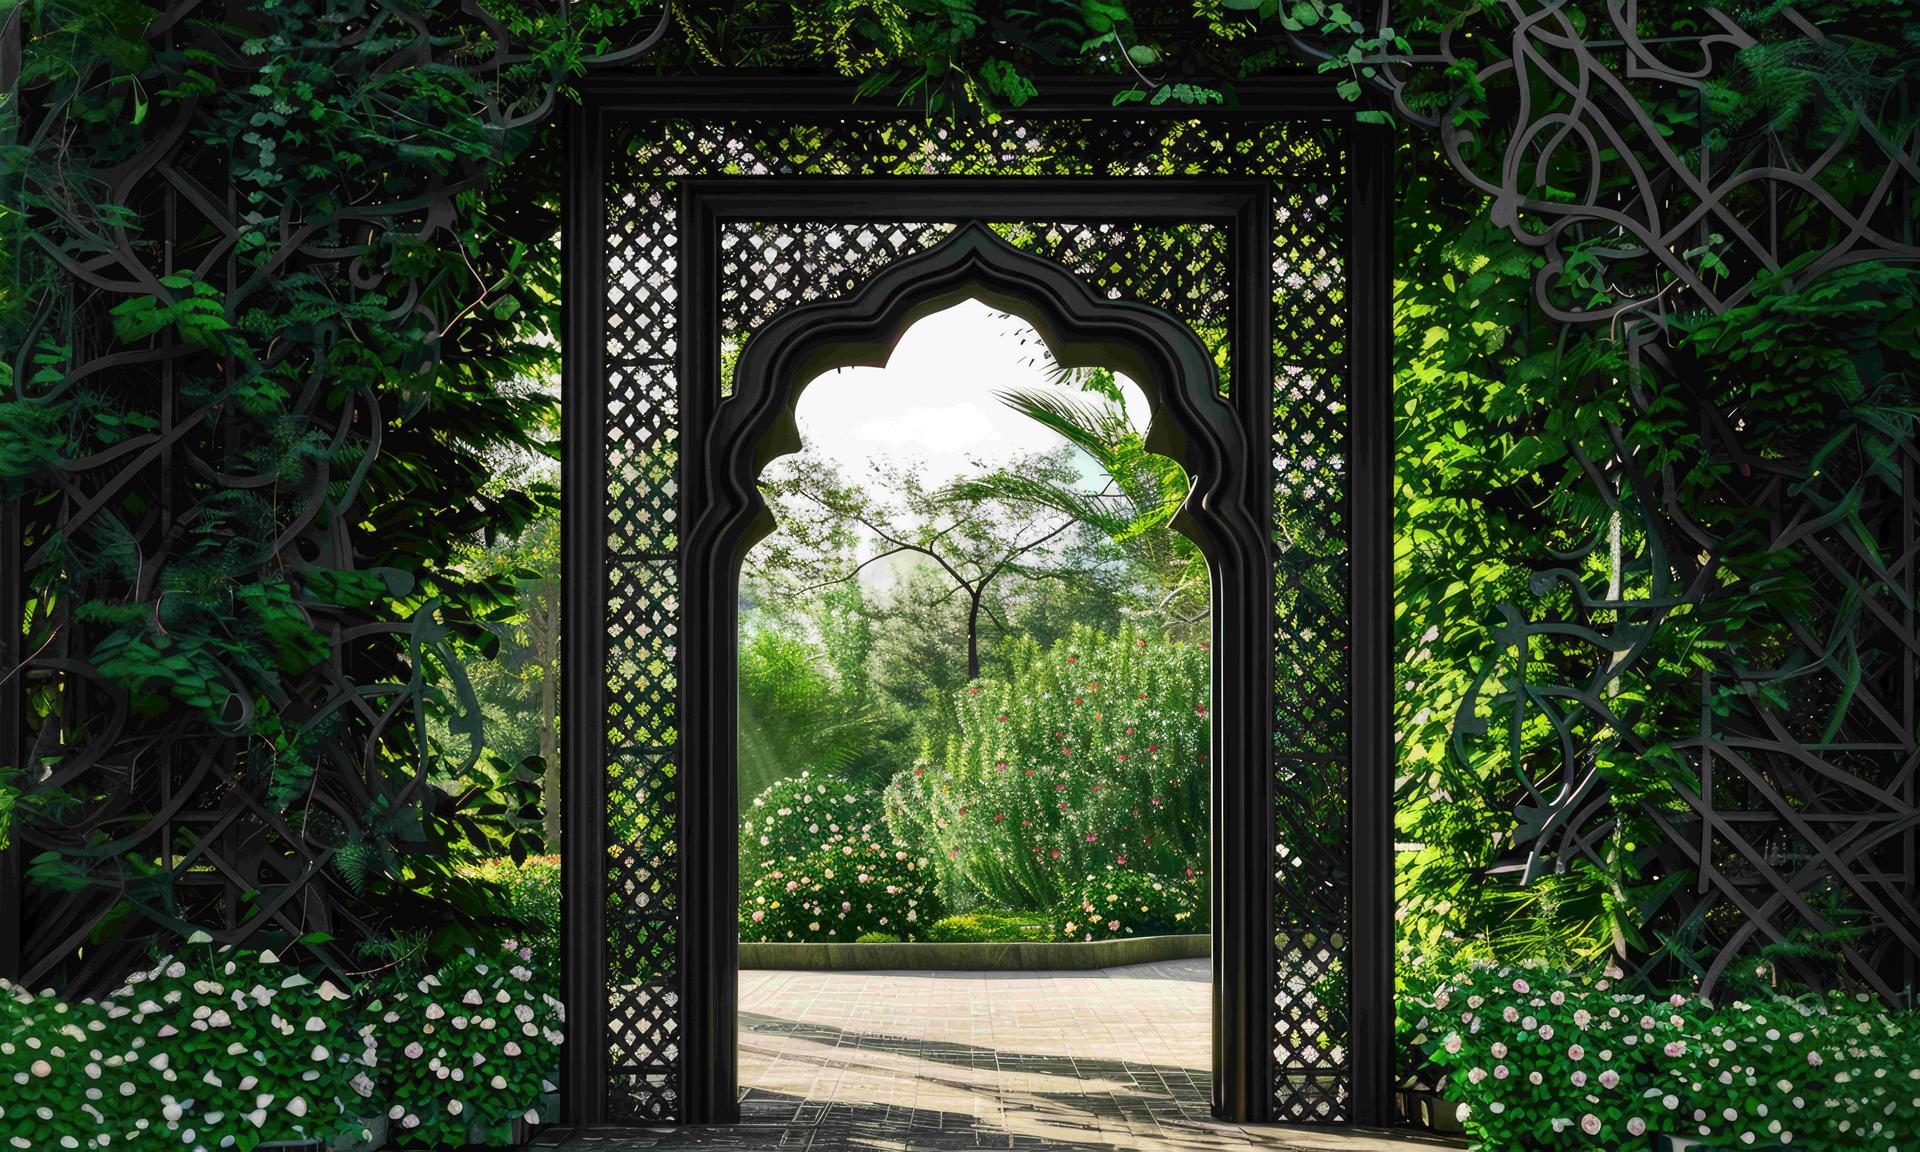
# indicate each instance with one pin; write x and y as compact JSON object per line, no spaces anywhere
{"x":1107,"y":1061}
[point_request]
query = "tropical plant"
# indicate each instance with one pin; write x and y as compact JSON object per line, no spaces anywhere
{"x":1090,"y":754}
{"x":1134,"y":507}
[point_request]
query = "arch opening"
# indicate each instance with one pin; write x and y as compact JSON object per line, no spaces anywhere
{"x":1219,"y":511}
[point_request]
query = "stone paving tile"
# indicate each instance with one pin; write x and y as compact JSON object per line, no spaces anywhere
{"x":1109,"y":1061}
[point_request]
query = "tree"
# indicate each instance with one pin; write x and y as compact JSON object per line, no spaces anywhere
{"x":1135,"y":505}
{"x":976,"y":541}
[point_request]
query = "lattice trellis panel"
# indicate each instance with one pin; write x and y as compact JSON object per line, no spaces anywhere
{"x":1313,"y":912}
{"x":1184,"y":269}
{"x":765,"y":268}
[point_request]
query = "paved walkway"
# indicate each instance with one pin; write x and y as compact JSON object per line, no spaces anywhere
{"x":939,"y":1061}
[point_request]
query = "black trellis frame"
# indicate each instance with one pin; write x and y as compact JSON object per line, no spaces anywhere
{"x":706,"y":942}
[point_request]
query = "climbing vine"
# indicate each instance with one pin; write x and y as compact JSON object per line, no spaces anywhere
{"x":281,"y":293}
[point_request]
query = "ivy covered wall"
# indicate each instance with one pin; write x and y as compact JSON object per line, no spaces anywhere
{"x":282,"y":288}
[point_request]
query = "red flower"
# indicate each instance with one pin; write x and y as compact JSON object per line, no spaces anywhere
{"x":1089,"y":837}
{"x":1056,"y":855}
{"x":1059,"y":787}
{"x":1153,"y":747}
{"x":1003,"y":717}
{"x":919,"y":771}
{"x":999,"y":816}
{"x":1002,"y":766}
{"x":1119,"y":859}
{"x":1073,"y":659}
{"x":1079,"y":699}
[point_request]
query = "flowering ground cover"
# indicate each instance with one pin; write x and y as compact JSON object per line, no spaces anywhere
{"x":1538,"y":1058}
{"x":213,"y":1050}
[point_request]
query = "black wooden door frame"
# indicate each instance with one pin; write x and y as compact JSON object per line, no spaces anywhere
{"x":1238,"y":203}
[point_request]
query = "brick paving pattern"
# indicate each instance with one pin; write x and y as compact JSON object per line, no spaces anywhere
{"x":938,"y":1061}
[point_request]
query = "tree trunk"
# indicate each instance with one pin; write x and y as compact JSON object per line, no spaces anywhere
{"x":973,"y":636}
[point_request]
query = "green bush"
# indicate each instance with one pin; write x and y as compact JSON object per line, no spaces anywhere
{"x":877,"y":938}
{"x":218,"y":1050}
{"x":471,"y":1043}
{"x":1543,"y":1059}
{"x":530,"y":897}
{"x":1121,"y":902}
{"x":208,"y":1051}
{"x":1091,"y":754}
{"x":990,"y":927}
{"x":817,"y":862}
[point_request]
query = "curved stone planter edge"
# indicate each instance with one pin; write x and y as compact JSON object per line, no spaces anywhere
{"x":998,"y":956}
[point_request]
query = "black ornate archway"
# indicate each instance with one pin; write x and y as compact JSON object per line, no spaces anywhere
{"x":1118,"y":236}
{"x":1225,"y":513}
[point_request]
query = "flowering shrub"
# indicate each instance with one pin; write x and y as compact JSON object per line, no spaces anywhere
{"x":817,"y":862}
{"x":211,"y":1051}
{"x":471,"y":1042}
{"x":217,"y":1050}
{"x":1091,"y":755}
{"x":1541,"y":1059}
{"x":1121,"y":902}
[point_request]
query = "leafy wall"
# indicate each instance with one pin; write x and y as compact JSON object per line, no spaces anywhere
{"x":273,"y":267}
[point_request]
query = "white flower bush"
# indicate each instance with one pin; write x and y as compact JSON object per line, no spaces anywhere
{"x":220,"y":1051}
{"x":1544,"y":1059}
{"x":469,"y":1045}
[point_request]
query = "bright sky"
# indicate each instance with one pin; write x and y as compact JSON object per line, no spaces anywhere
{"x":934,"y":403}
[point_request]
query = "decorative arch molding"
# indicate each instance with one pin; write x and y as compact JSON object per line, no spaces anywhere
{"x":1224,"y":512}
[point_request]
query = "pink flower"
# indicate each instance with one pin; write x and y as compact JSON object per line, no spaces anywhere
{"x":1636,"y":1127}
{"x":1676,"y":1048}
{"x":1610,"y":1079}
{"x":1579,"y":1078}
{"x":758,"y":916}
{"x":1590,"y":1124}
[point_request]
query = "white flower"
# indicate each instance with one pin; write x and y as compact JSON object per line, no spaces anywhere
{"x":454,"y":1107}
{"x":1590,"y":1124}
{"x":435,"y":1012}
{"x":41,"y":1068}
{"x":1636,"y":1127}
